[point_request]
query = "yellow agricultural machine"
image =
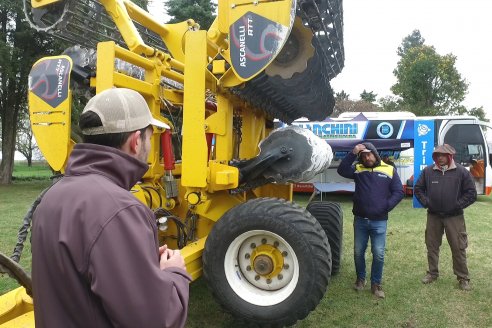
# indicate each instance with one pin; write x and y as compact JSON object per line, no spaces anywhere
{"x":220,"y":179}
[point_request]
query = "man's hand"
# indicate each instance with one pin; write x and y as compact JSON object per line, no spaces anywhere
{"x":171,"y":258}
{"x":357,"y":149}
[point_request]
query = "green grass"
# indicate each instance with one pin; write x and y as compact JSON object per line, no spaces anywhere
{"x":408,"y":302}
{"x":38,"y":171}
{"x":15,"y":201}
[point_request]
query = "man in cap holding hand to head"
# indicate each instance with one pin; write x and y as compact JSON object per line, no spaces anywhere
{"x":378,"y":190}
{"x":96,"y":260}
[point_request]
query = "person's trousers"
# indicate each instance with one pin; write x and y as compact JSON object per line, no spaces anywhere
{"x":456,"y":235}
{"x":376,"y":231}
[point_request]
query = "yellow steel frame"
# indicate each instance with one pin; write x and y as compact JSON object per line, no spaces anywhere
{"x":204,"y":183}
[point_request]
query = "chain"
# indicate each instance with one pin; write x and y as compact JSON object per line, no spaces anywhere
{"x":237,"y":123}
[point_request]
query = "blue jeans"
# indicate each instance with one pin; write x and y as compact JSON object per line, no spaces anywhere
{"x":363,"y":230}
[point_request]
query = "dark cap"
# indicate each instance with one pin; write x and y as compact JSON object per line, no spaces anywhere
{"x":445,"y":149}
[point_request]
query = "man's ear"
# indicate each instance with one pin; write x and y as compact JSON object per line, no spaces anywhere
{"x":132,"y":144}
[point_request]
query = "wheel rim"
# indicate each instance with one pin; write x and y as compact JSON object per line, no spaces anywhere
{"x":261,"y":267}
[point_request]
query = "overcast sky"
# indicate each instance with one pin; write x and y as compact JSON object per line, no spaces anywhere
{"x":373,"y":30}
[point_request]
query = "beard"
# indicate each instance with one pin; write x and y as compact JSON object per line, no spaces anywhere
{"x":369,"y":164}
{"x":143,"y":155}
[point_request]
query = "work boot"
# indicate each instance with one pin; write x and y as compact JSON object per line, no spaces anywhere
{"x":465,"y":284}
{"x":377,"y":290}
{"x":359,"y":284}
{"x":429,"y":278}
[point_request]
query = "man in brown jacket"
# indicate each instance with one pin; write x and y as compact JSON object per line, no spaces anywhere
{"x":445,"y":189}
{"x":96,"y":261}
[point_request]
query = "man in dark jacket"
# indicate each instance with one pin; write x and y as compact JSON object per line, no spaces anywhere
{"x":445,"y":188}
{"x":378,"y":190}
{"x":96,"y":261}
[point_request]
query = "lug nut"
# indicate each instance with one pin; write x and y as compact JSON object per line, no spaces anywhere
{"x":247,"y":256}
{"x":280,"y":277}
{"x":275,"y":244}
{"x":248,"y":268}
{"x":253,"y":245}
{"x":263,"y":241}
{"x":286,"y":266}
{"x":269,"y":281}
{"x":257,"y":277}
{"x":284,"y":253}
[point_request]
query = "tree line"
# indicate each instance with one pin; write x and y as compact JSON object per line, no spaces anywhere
{"x":427,"y":83}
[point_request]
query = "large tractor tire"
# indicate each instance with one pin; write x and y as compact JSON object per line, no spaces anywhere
{"x":330,"y":216}
{"x":267,"y":261}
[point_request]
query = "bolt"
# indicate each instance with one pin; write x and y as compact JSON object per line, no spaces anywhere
{"x":280,"y":277}
{"x":263,"y":241}
{"x":248,"y":268}
{"x":275,"y":244}
{"x":253,"y":245}
{"x":257,"y":277}
{"x":233,"y":6}
{"x":286,"y":266}
{"x":269,"y":281}
{"x":283,"y":150}
{"x":284,"y":253}
{"x":247,"y":256}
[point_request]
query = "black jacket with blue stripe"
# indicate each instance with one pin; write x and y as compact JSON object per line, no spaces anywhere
{"x":377,"y":190}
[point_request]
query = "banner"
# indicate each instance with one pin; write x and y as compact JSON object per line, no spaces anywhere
{"x":423,"y":147}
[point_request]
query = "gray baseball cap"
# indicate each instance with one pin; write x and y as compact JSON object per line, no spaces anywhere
{"x":120,"y":110}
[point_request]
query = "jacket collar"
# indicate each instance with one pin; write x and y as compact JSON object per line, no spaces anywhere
{"x":451,"y":166}
{"x":121,"y":168}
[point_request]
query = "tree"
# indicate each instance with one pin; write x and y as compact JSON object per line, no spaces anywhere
{"x":25,"y":143}
{"x":141,"y":3}
{"x":344,"y":104}
{"x":390,"y":104}
{"x":19,"y":48}
{"x":428,"y":83}
{"x":202,"y":11}
{"x":370,"y":97}
{"x":342,"y":95}
{"x":410,"y":41}
{"x":479,"y":113}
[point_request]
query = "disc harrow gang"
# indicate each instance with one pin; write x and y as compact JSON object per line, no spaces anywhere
{"x":83,"y":22}
{"x":296,"y":85}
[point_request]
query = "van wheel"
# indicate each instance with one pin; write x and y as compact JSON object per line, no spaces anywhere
{"x":267,"y":261}
{"x":330,"y":216}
